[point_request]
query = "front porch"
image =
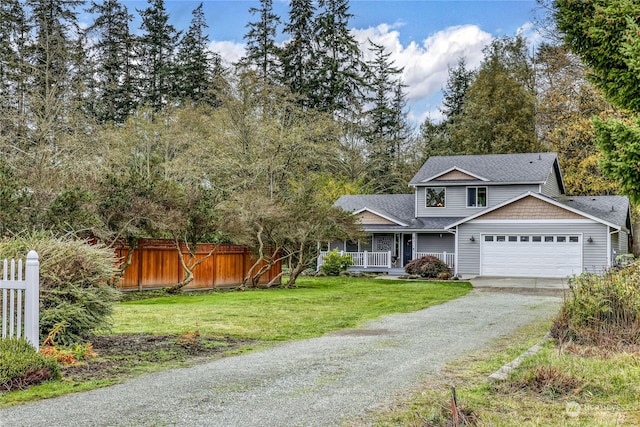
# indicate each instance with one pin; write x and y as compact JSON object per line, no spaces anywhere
{"x":386,"y":262}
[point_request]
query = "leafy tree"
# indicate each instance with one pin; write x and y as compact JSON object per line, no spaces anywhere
{"x":156,"y":49}
{"x":604,"y":34}
{"x":262,"y":52}
{"x":566,"y":103}
{"x":112,"y":54}
{"x":499,"y":111}
{"x":197,"y":68}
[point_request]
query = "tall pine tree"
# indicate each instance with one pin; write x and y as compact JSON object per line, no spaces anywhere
{"x":337,"y":85}
{"x":198,"y":70}
{"x":156,"y":49}
{"x":262,"y":52}
{"x":112,"y":54}
{"x":299,"y":53}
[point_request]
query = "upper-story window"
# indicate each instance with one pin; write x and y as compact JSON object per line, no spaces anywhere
{"x":477,"y":197}
{"x":435,"y":197}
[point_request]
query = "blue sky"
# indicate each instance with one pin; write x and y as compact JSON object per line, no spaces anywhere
{"x":426,"y":37}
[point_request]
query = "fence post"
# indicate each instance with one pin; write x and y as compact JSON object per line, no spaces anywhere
{"x":32,"y":300}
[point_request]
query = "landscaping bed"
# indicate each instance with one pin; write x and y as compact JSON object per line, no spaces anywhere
{"x":120,"y":356}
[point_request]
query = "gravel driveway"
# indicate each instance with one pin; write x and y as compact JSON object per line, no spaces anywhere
{"x":316,"y":382}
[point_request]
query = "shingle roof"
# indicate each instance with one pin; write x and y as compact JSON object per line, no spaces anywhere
{"x":499,"y":168}
{"x":394,"y":206}
{"x":613,"y":209}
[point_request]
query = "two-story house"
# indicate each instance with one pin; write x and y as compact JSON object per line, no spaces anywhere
{"x":490,"y":215}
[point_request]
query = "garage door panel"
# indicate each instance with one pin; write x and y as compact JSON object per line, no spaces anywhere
{"x":531,"y":259}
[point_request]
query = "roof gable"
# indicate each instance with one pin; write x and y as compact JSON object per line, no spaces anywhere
{"x":545,"y":212}
{"x":367,"y":216}
{"x":455,"y":174}
{"x":521,"y":168}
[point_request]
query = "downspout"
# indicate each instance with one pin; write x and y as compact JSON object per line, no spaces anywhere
{"x":455,"y":256}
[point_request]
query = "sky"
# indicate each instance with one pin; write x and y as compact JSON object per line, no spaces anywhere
{"x":425,"y":37}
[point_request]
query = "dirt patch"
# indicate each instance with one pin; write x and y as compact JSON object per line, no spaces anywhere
{"x":121,"y":356}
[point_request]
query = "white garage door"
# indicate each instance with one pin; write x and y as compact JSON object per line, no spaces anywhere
{"x":527,"y":255}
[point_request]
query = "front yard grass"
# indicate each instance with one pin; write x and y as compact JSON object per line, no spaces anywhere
{"x":163,"y":332}
{"x":572,"y":386}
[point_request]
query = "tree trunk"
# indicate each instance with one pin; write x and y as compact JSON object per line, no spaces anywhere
{"x":189,"y":266}
{"x":122,"y":267}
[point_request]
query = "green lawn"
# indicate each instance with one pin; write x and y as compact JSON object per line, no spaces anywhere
{"x":316,"y":306}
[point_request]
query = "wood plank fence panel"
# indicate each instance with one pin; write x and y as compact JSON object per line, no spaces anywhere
{"x":155,"y":264}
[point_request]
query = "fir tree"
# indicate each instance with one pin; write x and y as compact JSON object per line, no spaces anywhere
{"x":197,"y":68}
{"x":262,"y":52}
{"x":299,"y":53}
{"x":156,"y":49}
{"x":112,"y":56}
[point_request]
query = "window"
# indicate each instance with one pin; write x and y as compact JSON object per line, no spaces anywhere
{"x":561,"y":239}
{"x":501,"y":239}
{"x":435,"y":197}
{"x":574,"y":239}
{"x":488,"y":238}
{"x":524,"y":238}
{"x":477,"y":197}
{"x":548,"y":238}
{"x":536,"y":239}
{"x":513,"y":238}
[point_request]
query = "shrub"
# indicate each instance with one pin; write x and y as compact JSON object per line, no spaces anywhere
{"x":73,"y":284}
{"x":602,"y":310}
{"x":427,"y":266}
{"x":334,"y":263}
{"x":21,"y":365}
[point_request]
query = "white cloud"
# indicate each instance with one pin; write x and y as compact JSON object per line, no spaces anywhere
{"x":230,"y":51}
{"x":426,"y":66}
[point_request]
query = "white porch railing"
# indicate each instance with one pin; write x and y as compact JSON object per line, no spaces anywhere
{"x":364,"y":259}
{"x":384,"y":259}
{"x":446,"y":257}
{"x":20,"y":303}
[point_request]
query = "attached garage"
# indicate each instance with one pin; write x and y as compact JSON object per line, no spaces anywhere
{"x":530,"y":255}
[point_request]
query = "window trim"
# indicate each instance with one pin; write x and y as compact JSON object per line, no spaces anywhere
{"x":486,"y":196}
{"x":444,"y":197}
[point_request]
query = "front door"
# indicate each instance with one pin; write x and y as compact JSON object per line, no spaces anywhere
{"x":407,"y":249}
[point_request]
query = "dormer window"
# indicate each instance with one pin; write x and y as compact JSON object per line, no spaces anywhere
{"x":476,"y":197}
{"x":435,"y":197}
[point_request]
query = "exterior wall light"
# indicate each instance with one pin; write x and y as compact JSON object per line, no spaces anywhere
{"x":590,"y":239}
{"x":472,"y":239}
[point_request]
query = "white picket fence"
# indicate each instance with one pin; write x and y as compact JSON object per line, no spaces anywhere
{"x":20,"y":304}
{"x":446,"y":257}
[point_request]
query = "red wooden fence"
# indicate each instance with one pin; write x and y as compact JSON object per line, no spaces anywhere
{"x":155,"y":264}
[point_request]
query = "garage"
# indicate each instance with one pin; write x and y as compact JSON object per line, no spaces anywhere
{"x":531,"y":255}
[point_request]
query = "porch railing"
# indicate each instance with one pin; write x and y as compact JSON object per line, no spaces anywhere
{"x":384,"y":259}
{"x":447,"y":257}
{"x":364,"y":259}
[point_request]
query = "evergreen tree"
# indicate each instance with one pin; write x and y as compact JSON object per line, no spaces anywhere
{"x":299,"y":53}
{"x":262,"y":52}
{"x":156,"y":48}
{"x":13,"y":68}
{"x":112,"y":56}
{"x":382,"y":119}
{"x":56,"y":62}
{"x":197,"y":68}
{"x":454,"y":94}
{"x":337,"y":84}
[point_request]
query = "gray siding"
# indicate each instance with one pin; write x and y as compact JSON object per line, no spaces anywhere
{"x":435,"y":243}
{"x":551,"y":188}
{"x":594,"y":255}
{"x":456,"y":199}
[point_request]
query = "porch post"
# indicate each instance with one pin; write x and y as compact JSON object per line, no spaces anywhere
{"x":389,"y":259}
{"x":444,"y":258}
{"x":414,"y":245}
{"x":365,"y":261}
